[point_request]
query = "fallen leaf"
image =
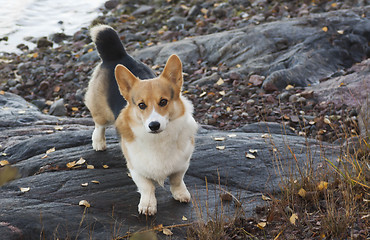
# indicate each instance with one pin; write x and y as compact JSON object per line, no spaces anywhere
{"x":289,"y":87}
{"x":293,"y":218}
{"x":95,"y":181}
{"x":35,"y":55}
{"x":26,"y":189}
{"x":327,"y":121}
{"x":322,"y":186}
{"x":222,"y":93}
{"x":231,"y":135}
{"x":2,"y":92}
{"x":266,"y":135}
{"x":90,"y":50}
{"x":302,"y":192}
{"x":228,"y":109}
{"x":184,"y":218}
{"x":220,"y":147}
{"x":218,"y":100}
{"x":105,"y":166}
{"x":167,"y":232}
{"x":265,"y":198}
{"x":90,"y":166}
{"x":253,"y":150}
{"x":71,"y":164}
{"x":3,"y":163}
{"x":325,"y":29}
{"x":58,"y":128}
{"x":84,"y":203}
{"x":21,"y":111}
{"x":219,"y":138}
{"x":81,"y":161}
{"x":340,"y":31}
{"x":202,"y":94}
{"x":261,"y":225}
{"x":56,"y":89}
{"x":84,"y":184}
{"x":220,"y":82}
{"x":251,"y":156}
{"x":50,"y":150}
{"x":74,"y":109}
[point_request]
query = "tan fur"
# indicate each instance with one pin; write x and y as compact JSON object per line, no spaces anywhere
{"x":96,"y":98}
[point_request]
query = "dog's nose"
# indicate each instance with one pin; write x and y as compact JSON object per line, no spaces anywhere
{"x":154,"y":126}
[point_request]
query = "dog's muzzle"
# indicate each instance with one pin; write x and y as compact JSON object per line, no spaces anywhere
{"x":154,"y":126}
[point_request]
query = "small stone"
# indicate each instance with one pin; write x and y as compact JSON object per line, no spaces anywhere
{"x":250,"y":102}
{"x":111,"y":4}
{"x":43,"y":42}
{"x":143,"y":9}
{"x":256,"y":80}
{"x":58,"y":108}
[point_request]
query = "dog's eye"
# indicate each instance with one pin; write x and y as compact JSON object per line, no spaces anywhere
{"x":142,"y":106}
{"x":163,"y":102}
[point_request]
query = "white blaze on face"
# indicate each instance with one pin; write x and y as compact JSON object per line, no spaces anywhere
{"x":153,"y":120}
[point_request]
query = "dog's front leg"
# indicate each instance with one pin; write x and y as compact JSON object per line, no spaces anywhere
{"x":98,"y":138}
{"x":146,"y":188}
{"x":178,"y":187}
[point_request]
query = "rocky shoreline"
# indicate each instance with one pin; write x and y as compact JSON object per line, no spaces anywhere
{"x":271,"y":101}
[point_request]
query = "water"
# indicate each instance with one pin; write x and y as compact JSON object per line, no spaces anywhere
{"x":37,"y":18}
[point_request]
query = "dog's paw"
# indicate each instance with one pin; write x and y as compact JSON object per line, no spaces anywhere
{"x":181,"y":194}
{"x":147,"y":208}
{"x":99,"y":145}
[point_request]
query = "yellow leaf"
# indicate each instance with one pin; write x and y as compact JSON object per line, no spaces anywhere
{"x":322,"y":186}
{"x":105,"y":166}
{"x":218,"y":100}
{"x":334,"y":5}
{"x":220,"y":147}
{"x":251,"y":156}
{"x":202,"y":94}
{"x":184,"y":218}
{"x":90,"y":50}
{"x":150,"y":44}
{"x":71,"y":164}
{"x":238,"y":65}
{"x":2,"y":92}
{"x":74,"y":109}
{"x":58,"y":128}
{"x":302,"y":192}
{"x":264,"y":198}
{"x":95,"y":181}
{"x":228,"y":109}
{"x":50,"y":150}
{"x":289,"y":87}
{"x":222,"y":93}
{"x":84,"y":203}
{"x":325,"y":29}
{"x":340,"y":31}
{"x":4,"y":162}
{"x":25,"y":189}
{"x":293,"y":218}
{"x":84,"y":184}
{"x":35,"y":55}
{"x":80,"y":161}
{"x":90,"y":166}
{"x":219,"y":138}
{"x":266,"y":135}
{"x":167,"y":232}
{"x":261,"y":225}
{"x":220,"y":81}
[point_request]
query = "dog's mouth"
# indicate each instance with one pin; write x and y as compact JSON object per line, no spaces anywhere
{"x":155,"y":132}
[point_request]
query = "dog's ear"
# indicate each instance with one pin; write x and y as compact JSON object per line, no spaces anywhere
{"x":125,"y":80}
{"x":173,"y":71}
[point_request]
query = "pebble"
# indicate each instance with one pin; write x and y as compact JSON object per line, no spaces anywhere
{"x":58,"y":108}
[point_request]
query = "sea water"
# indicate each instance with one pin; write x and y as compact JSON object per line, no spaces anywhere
{"x":38,"y":18}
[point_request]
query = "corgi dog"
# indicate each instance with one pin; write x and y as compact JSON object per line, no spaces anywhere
{"x":154,"y":121}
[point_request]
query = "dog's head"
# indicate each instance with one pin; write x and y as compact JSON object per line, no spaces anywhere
{"x":153,"y":102}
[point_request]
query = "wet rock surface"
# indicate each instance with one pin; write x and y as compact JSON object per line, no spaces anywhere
{"x":50,"y":205}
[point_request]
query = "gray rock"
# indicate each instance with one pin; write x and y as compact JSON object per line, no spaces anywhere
{"x":58,"y":108}
{"x":143,"y":9}
{"x":43,"y":42}
{"x":293,"y":51}
{"x":51,"y":206}
{"x":92,"y":56}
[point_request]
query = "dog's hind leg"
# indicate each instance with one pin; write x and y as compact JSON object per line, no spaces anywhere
{"x":98,"y":138}
{"x":178,"y":187}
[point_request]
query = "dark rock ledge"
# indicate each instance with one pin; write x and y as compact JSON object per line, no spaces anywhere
{"x":50,"y":207}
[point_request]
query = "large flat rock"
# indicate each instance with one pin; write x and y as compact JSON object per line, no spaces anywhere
{"x":51,"y":206}
{"x":298,"y":51}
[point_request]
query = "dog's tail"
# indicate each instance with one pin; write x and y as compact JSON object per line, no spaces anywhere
{"x":107,"y":42}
